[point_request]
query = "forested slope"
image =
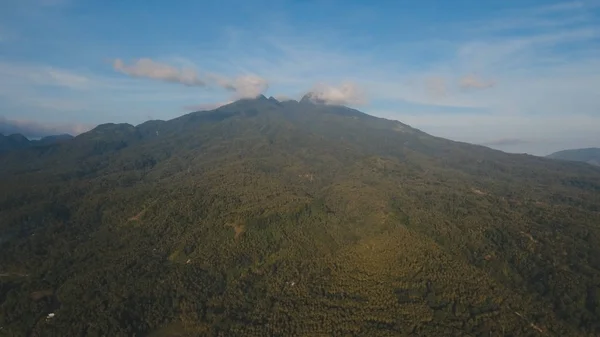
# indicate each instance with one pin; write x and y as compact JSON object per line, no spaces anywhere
{"x":294,"y":219}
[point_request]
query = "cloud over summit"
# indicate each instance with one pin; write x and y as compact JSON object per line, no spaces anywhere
{"x":347,"y":93}
{"x":244,"y":86}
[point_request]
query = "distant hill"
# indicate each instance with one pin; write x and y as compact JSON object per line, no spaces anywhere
{"x":48,"y":140}
{"x":13,"y":142}
{"x":268,"y":218}
{"x":18,"y":141}
{"x":589,"y":155}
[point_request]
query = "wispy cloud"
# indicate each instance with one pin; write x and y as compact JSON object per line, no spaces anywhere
{"x":146,"y":68}
{"x":66,"y":94}
{"x":247,"y":85}
{"x":243,"y":86}
{"x":562,"y":6}
{"x":474,"y":82}
{"x":42,"y":75}
{"x":66,"y":79}
{"x":554,"y":17}
{"x":506,"y":75}
{"x":436,"y":87}
{"x":534,"y":23}
{"x":503,"y":64}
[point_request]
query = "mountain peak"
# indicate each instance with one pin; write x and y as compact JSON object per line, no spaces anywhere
{"x":311,"y":97}
{"x":240,"y":182}
{"x":17,"y":137}
{"x":260,"y":97}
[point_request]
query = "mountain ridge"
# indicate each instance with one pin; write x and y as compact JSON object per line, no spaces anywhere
{"x":587,"y":155}
{"x":281,"y":218}
{"x":17,"y":141}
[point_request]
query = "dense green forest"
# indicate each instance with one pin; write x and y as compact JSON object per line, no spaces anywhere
{"x":267,"y":218}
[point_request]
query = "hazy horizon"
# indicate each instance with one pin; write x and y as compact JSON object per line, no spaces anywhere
{"x":519,"y":76}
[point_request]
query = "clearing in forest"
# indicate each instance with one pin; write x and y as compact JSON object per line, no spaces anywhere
{"x":237,"y":228}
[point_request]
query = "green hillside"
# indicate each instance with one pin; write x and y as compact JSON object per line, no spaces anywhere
{"x":267,"y":218}
{"x":589,"y":155}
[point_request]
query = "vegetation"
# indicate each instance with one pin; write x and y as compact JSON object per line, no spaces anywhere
{"x":294,"y":219}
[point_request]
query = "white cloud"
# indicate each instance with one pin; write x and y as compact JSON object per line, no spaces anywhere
{"x":244,"y":86}
{"x":347,"y":93}
{"x":509,"y":66}
{"x":31,"y":91}
{"x":146,"y":68}
{"x":538,"y":65}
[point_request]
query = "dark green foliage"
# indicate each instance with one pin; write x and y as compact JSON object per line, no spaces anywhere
{"x":291,"y":218}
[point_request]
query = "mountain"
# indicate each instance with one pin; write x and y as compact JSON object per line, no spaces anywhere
{"x":13,"y":142}
{"x":18,"y":141}
{"x":49,"y":140}
{"x":589,"y":155}
{"x":311,"y":98}
{"x":268,"y":218}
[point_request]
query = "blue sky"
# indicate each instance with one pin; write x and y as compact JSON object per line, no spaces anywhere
{"x":521,"y":76}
